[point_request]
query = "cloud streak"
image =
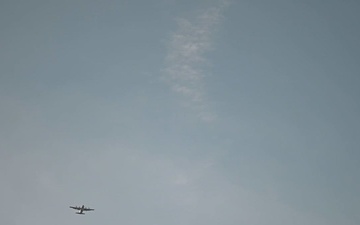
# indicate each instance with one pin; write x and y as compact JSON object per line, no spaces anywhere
{"x":186,"y":63}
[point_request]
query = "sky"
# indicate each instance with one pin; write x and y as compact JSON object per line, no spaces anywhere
{"x":170,"y":112}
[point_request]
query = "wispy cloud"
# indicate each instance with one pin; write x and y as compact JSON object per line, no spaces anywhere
{"x":186,"y":63}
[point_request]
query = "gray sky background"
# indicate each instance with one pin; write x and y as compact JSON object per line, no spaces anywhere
{"x":174,"y":112}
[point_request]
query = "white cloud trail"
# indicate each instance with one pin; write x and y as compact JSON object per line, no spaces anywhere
{"x":185,"y":63}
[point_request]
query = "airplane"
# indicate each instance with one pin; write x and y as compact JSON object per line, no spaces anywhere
{"x":81,"y":209}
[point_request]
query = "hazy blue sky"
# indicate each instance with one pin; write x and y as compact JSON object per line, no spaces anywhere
{"x":172,"y":112}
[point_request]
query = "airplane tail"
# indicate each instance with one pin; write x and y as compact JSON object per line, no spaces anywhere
{"x":81,"y":213}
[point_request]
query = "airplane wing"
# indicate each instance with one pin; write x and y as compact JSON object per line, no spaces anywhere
{"x":88,"y":209}
{"x":75,"y":207}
